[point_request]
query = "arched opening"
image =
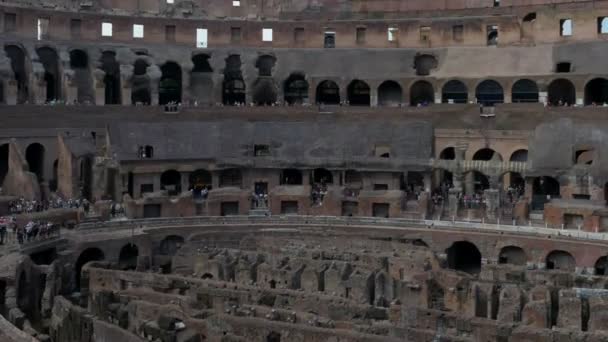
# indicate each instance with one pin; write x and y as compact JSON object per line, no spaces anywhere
{"x":44,"y":257}
{"x":422,"y":94}
{"x":50,"y":61}
{"x":201,"y":79}
{"x":448,"y":153}
{"x":88,"y":255}
{"x":231,"y":178}
{"x":24,"y":294}
{"x":454,"y":92}
{"x":512,"y":255}
{"x":601,"y":266}
{"x":264,"y":88}
{"x":489,"y":93}
{"x":291,"y":177}
{"x":34,"y":154}
{"x":79,"y":63}
{"x":487,"y":154}
{"x":233,"y":87}
{"x":560,"y":260}
{"x":475,"y":182}
{"x":596,"y":92}
{"x":358,"y":93}
{"x":111,"y":80}
{"x":127,"y":259}
{"x":322,"y":176}
{"x":273,"y":337}
{"x":296,"y":89}
{"x":140,"y":84}
{"x":199,"y":180}
{"x":561,"y":92}
{"x":86,"y":177}
{"x":2,"y":100}
{"x":171,"y":181}
{"x":171,"y":244}
{"x":170,"y":87}
{"x":265,"y":64}
{"x":424,"y":63}
{"x":515,"y":183}
{"x":524,"y":91}
{"x":17,"y":57}
{"x":390,"y":94}
{"x":328,"y":92}
{"x":464,"y":256}
{"x":519,"y":156}
{"x":3,"y":162}
{"x":543,"y":190}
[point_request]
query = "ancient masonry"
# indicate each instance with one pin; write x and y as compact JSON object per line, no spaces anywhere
{"x":305,"y":170}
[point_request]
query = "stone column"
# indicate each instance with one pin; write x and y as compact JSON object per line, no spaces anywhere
{"x":71,"y":87}
{"x":580,"y":98}
{"x":215,"y":179}
{"x":492,"y":198}
{"x":187,"y":97}
{"x":185,"y":180}
{"x":99,"y":87}
{"x":427,"y":181}
{"x":11,"y":92}
{"x":312,"y":92}
{"x":343,"y":92}
{"x":453,"y":195}
{"x":126,"y":73}
{"x":155,"y":74}
{"x":39,"y":89}
{"x":218,"y":89}
{"x":373,"y":96}
{"x":438,"y":97}
{"x":529,"y":188}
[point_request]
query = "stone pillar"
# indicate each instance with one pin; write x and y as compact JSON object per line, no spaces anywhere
{"x":492,"y":198}
{"x":99,"y":87}
{"x":39,"y":89}
{"x":529,"y":188}
{"x":11,"y":92}
{"x":248,"y":91}
{"x":153,"y":71}
{"x":218,"y":90}
{"x":438,"y":97}
{"x":469,"y":183}
{"x":427,"y":181}
{"x":343,"y":92}
{"x":185,"y":181}
{"x":215,"y":179}
{"x":71,"y":87}
{"x":312,"y":92}
{"x":156,"y":182}
{"x":373,"y":96}
{"x":453,"y":195}
{"x":126,"y":73}
{"x":580,"y":98}
{"x":187,"y":97}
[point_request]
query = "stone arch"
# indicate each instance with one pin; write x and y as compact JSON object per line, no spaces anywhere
{"x":200,"y":179}
{"x":295,"y":89}
{"x":171,"y":180}
{"x":487,"y":154}
{"x":140,"y":83}
{"x":170,"y":86}
{"x":111,"y":79}
{"x":34,"y":155}
{"x":422,"y":93}
{"x":4,"y":151}
{"x":464,"y":256}
{"x":390,"y":94}
{"x":524,"y":91}
{"x":358,"y":93}
{"x":79,"y":63}
{"x":231,"y":177}
{"x":127,"y":258}
{"x":233,"y":87}
{"x":52,"y":76}
{"x":171,"y":244}
{"x":448,"y":153}
{"x":489,"y":93}
{"x":601,"y":266}
{"x":560,"y":260}
{"x":561,"y":92}
{"x":17,"y":57}
{"x":291,"y":177}
{"x":520,"y":155}
{"x":475,"y":182}
{"x":328,"y":92}
{"x":513,"y":255}
{"x":88,"y":255}
{"x":596,"y":91}
{"x":454,"y":91}
{"x":201,"y":79}
{"x":273,"y":336}
{"x":321,"y":175}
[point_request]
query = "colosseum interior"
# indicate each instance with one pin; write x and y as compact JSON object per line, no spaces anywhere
{"x":303,"y":170}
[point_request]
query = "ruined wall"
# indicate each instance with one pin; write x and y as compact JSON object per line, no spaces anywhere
{"x":19,"y":180}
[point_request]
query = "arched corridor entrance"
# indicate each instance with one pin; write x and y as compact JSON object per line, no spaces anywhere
{"x":233,"y":87}
{"x":524,"y":91}
{"x":512,"y":255}
{"x":296,"y":89}
{"x":127,"y":259}
{"x":140,"y":84}
{"x":560,"y":260}
{"x":328,"y":93}
{"x":111,"y":80}
{"x":422,"y":94}
{"x":88,"y":255}
{"x":543,"y":190}
{"x":201,"y":80}
{"x":561,"y":92}
{"x":79,"y":63}
{"x":489,"y":93}
{"x":171,"y":181}
{"x":390,"y":94}
{"x":34,"y":154}
{"x":20,"y":72}
{"x":454,"y":92}
{"x":358,"y":93}
{"x":170,"y":87}
{"x":50,"y":61}
{"x":464,"y":256}
{"x":596,"y":92}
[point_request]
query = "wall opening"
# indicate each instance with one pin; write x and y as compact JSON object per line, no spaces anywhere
{"x":79,"y":63}
{"x":596,"y":92}
{"x":328,"y":92}
{"x":291,"y":177}
{"x":3,"y":162}
{"x":561,"y":92}
{"x":448,"y":153}
{"x":519,"y":156}
{"x":200,"y":180}
{"x":111,"y":80}
{"x":170,"y":87}
{"x":487,"y":154}
{"x":231,"y":178}
{"x":140,"y":84}
{"x":127,"y":259}
{"x":20,"y":73}
{"x":390,"y":94}
{"x":454,"y":92}
{"x":88,"y":255}
{"x":201,"y":80}
{"x":358,"y":93}
{"x":464,"y":256}
{"x":296,"y":89}
{"x":229,"y":208}
{"x":524,"y":91}
{"x":322,"y":176}
{"x":601,"y":266}
{"x":560,"y":260}
{"x":512,"y":255}
{"x":424,"y":64}
{"x":233,"y":87}
{"x":264,"y":88}
{"x":34,"y":154}
{"x":489,"y":93}
{"x":422,"y":94}
{"x":171,"y":180}
{"x":50,"y":61}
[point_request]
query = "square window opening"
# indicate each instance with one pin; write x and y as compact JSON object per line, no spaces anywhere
{"x":106,"y":29}
{"x":267,"y":35}
{"x":138,"y":31}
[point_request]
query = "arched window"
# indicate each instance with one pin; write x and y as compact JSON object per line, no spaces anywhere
{"x":328,"y":92}
{"x":296,"y":89}
{"x":464,"y":256}
{"x":454,"y":92}
{"x":34,"y":154}
{"x":519,"y":156}
{"x":489,"y":93}
{"x":291,"y":177}
{"x":512,"y":255}
{"x":170,"y":87}
{"x":561,"y":92}
{"x":422,"y":94}
{"x":560,"y":260}
{"x":448,"y":153}
{"x":596,"y":92}
{"x":487,"y":154}
{"x":524,"y":91}
{"x":358,"y":93}
{"x":390,"y":94}
{"x":127,"y":259}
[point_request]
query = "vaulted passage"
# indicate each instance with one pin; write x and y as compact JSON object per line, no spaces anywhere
{"x":140,"y":84}
{"x":233,"y":88}
{"x":3,"y":162}
{"x":560,"y":260}
{"x":596,"y":92}
{"x":454,"y":92}
{"x":390,"y":94}
{"x":170,"y":87}
{"x":422,"y":94}
{"x":17,"y":57}
{"x":111,"y":80}
{"x":171,"y":244}
{"x":264,"y":88}
{"x":34,"y":154}
{"x":512,"y":255}
{"x":328,"y":92}
{"x":524,"y":91}
{"x":88,"y":255}
{"x":296,"y":89}
{"x":489,"y":93}
{"x":487,"y":154}
{"x":561,"y":93}
{"x":201,"y":80}
{"x":79,"y":63}
{"x":50,"y":61}
{"x":127,"y":260}
{"x":358,"y":93}
{"x":464,"y":256}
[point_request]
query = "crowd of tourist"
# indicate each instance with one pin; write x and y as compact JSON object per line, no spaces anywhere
{"x":10,"y":231}
{"x":23,"y":206}
{"x":317,"y":193}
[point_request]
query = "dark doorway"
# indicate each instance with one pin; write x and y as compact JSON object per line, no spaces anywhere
{"x":596,"y":92}
{"x":50,"y":61}
{"x":322,"y":176}
{"x":291,"y":177}
{"x":328,"y":92}
{"x":524,"y":91}
{"x":140,"y":84}
{"x":561,"y":93}
{"x":34,"y":154}
{"x":454,"y":92}
{"x":448,"y":153}
{"x":17,"y":57}
{"x":171,"y":180}
{"x":152,"y":210}
{"x":233,"y":88}
{"x":127,"y":259}
{"x":487,"y":154}
{"x":3,"y":162}
{"x":512,"y":255}
{"x":390,"y":94}
{"x":79,"y":63}
{"x":229,"y":208}
{"x":170,"y":88}
{"x":201,"y":80}
{"x":296,"y":89}
{"x":560,"y":260}
{"x":358,"y":93}
{"x":88,"y":255}
{"x":422,"y":94}
{"x":464,"y":256}
{"x":111,"y":80}
{"x":489,"y":93}
{"x":171,"y":244}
